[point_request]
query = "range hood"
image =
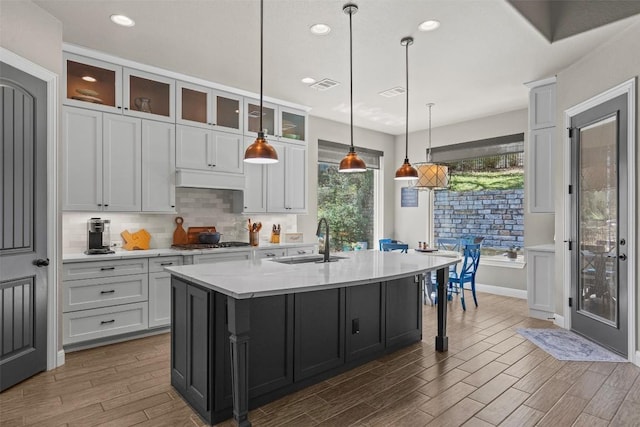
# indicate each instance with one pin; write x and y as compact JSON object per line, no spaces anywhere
{"x":206,"y":179}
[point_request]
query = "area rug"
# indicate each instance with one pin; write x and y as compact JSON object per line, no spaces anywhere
{"x":566,"y":345}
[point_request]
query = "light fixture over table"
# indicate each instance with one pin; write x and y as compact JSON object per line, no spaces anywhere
{"x":260,"y":151}
{"x":406,"y":171}
{"x":431,"y":176}
{"x":351,"y":162}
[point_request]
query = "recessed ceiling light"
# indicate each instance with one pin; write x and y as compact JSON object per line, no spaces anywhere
{"x":429,"y":25}
{"x":308,"y":80}
{"x":89,"y":79}
{"x":320,"y":29}
{"x":123,"y":20}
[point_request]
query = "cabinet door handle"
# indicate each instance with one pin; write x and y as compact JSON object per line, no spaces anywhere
{"x":112,"y":291}
{"x":355,"y":326}
{"x":99,"y":204}
{"x":270,"y":254}
{"x":166,"y":263}
{"x":119,"y":107}
{"x":107,"y":268}
{"x":106,"y":205}
{"x":106,"y":322}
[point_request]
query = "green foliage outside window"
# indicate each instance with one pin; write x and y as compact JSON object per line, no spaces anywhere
{"x":346,"y":201}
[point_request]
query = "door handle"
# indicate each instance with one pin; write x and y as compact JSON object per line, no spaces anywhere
{"x":40,"y":262}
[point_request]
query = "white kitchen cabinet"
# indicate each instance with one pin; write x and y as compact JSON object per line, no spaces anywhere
{"x":208,"y":108}
{"x":160,"y":290}
{"x":158,"y":167}
{"x":107,"y":87}
{"x":102,"y":157}
{"x":541,"y":170}
{"x":287,"y":180}
{"x":255,"y":187}
{"x":269,"y":253}
{"x":540,"y":280}
{"x":281,"y":123}
{"x":542,"y":106}
{"x":105,"y":168}
{"x":221,"y":257}
{"x":540,"y":150}
{"x":104,"y":298}
{"x":203,"y":149}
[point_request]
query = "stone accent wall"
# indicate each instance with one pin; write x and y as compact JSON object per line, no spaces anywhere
{"x":497,"y":215}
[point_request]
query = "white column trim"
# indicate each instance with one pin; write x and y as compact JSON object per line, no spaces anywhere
{"x":51,"y":80}
{"x":629,"y":88}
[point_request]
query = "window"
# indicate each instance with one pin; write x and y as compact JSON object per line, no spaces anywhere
{"x":485,"y":197}
{"x":348,"y":200}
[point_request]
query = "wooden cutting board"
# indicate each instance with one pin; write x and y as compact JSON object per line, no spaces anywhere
{"x":192,"y":233}
{"x":180,"y":236}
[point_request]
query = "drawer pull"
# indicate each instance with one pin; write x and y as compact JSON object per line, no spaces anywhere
{"x":166,"y":263}
{"x":112,"y":291}
{"x":107,"y":268}
{"x":105,"y":322}
{"x":269,"y":254}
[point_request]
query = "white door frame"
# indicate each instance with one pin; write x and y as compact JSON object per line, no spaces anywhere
{"x":54,"y":359}
{"x":628,"y":88}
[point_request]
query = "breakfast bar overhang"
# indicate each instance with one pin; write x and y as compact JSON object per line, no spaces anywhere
{"x":248,"y":332}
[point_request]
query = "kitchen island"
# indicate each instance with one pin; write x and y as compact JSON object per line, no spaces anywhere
{"x":248,"y":332}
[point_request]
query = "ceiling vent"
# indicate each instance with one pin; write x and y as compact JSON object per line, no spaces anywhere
{"x":324,"y":84}
{"x":394,"y":91}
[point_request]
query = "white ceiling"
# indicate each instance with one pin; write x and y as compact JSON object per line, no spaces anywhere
{"x":473,"y":66}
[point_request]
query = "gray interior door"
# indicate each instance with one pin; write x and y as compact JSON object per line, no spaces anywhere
{"x":23,"y":226}
{"x":600,"y":224}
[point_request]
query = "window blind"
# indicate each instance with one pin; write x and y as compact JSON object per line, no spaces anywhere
{"x":480,"y":148}
{"x":333,"y":152}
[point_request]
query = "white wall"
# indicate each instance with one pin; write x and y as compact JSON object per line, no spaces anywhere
{"x":329,"y":130}
{"x":611,"y":64}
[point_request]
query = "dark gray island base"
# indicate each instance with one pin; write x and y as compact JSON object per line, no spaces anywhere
{"x":230,"y":355}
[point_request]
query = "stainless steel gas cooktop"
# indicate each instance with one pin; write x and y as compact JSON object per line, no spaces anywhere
{"x":191,"y":246}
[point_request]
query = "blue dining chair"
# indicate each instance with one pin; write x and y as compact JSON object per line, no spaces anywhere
{"x":383,"y":241}
{"x":402,"y":247}
{"x":467,"y":273}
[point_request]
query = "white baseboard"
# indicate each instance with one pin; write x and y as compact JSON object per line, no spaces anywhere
{"x":499,"y":290}
{"x":559,"y":321}
{"x":60,"y":358}
{"x":637,"y":361}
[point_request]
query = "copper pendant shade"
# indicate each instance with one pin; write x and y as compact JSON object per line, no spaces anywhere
{"x":406,"y":171}
{"x":431,"y":176}
{"x":260,"y":151}
{"x":351,"y":162}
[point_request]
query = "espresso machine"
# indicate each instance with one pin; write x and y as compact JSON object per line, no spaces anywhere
{"x":98,"y":237}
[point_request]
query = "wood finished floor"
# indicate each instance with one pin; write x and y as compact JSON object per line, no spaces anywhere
{"x":490,"y":376}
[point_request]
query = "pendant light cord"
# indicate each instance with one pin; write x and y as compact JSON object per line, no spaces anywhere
{"x":351,"y":149}
{"x":429,"y":152}
{"x":261,"y":66}
{"x":406,"y":131}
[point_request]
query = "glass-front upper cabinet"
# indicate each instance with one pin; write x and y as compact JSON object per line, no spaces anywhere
{"x":208,"y":108}
{"x":252,"y":117}
{"x":92,"y":84}
{"x":148,"y":95}
{"x":292,"y":124}
{"x":100,"y":85}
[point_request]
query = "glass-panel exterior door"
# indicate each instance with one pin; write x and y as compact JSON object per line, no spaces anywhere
{"x":599,"y":288}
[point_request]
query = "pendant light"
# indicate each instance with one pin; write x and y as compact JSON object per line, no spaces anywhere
{"x":430,"y":175}
{"x":260,"y":151}
{"x":406,"y":171}
{"x":351,"y":162}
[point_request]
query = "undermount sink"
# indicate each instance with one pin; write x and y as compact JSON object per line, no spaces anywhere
{"x":301,"y":259}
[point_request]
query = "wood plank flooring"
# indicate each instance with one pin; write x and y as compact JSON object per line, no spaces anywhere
{"x":490,"y":376}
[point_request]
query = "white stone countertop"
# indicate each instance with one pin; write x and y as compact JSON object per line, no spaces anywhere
{"x":264,"y":277}
{"x":150,"y":253}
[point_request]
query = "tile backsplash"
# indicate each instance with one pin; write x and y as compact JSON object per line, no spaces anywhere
{"x":199,"y":207}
